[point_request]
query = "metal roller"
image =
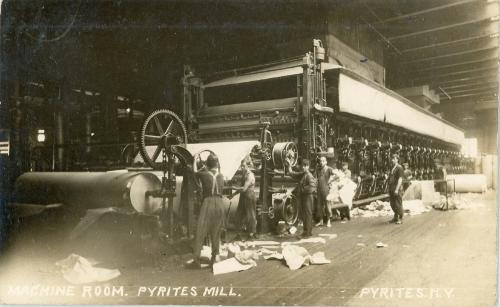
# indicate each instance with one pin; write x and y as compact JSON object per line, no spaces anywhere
{"x":84,"y":190}
{"x":285,"y":208}
{"x":283,"y":151}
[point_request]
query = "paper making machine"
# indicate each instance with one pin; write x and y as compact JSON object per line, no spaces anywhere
{"x":326,"y":110}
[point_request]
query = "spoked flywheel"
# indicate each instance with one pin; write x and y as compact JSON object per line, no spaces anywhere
{"x":163,"y":128}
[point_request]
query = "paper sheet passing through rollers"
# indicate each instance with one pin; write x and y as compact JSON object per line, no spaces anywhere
{"x":230,"y":154}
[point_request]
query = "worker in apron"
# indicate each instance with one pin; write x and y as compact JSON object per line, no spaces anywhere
{"x":246,"y":212}
{"x":211,"y":218}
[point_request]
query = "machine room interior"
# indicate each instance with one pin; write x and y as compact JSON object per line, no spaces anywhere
{"x":103,"y":126}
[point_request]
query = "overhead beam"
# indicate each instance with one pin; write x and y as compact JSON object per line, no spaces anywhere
{"x":421,"y":12}
{"x":461,"y":55}
{"x":486,"y":41}
{"x":485,"y":95}
{"x":428,"y":67}
{"x":474,"y":88}
{"x":433,"y":67}
{"x":453,"y":71}
{"x":476,"y":13}
{"x":493,"y":89}
{"x":469,"y":84}
{"x":473,"y":60}
{"x":395,"y":80}
{"x":393,"y":8}
{"x":490,"y":75}
{"x":478,"y":30}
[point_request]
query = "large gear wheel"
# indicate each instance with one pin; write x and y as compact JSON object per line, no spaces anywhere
{"x":162,"y":128}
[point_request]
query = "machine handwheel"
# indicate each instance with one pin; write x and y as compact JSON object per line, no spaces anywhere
{"x":161,"y":129}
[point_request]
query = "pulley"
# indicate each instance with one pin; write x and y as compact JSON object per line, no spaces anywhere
{"x":282,"y":152}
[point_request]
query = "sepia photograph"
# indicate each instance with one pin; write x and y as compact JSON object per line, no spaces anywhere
{"x":249,"y":153}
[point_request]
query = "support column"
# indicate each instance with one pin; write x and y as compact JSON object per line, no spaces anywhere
{"x":59,"y":140}
{"x":88,"y":132}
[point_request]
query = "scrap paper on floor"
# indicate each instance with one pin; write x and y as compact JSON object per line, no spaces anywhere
{"x":78,"y":270}
{"x":230,"y":265}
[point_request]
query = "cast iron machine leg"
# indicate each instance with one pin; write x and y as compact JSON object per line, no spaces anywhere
{"x":265,"y":177}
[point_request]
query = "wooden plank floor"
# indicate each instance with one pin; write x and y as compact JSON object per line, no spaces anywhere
{"x":450,"y":256}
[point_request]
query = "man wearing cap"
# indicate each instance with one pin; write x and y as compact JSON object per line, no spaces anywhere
{"x":395,"y":183}
{"x":305,"y":195}
{"x":211,"y":218}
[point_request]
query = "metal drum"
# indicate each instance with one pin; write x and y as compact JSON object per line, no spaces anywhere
{"x":283,"y":151}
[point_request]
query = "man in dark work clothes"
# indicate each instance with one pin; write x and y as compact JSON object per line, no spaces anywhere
{"x":246,"y":212}
{"x":211,"y":218}
{"x":407,"y":176}
{"x":395,"y":184}
{"x":305,"y":195}
{"x":325,"y":176}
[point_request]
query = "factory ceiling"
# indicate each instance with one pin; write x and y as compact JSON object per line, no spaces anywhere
{"x":136,"y":49}
{"x":450,"y":45}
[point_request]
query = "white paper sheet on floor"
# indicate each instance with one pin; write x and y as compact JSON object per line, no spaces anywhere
{"x":78,"y":270}
{"x":465,"y":201}
{"x":247,"y":257}
{"x":415,"y":206}
{"x":374,"y":209}
{"x":295,"y":256}
{"x":230,"y":265}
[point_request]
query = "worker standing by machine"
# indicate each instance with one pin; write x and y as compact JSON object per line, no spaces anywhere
{"x":407,"y":176}
{"x":395,"y":183}
{"x":246,"y":213}
{"x":325,"y":176}
{"x":211,"y":218}
{"x":305,"y":195}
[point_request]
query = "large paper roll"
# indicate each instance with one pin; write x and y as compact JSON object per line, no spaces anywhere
{"x":88,"y":190}
{"x":467,"y":183}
